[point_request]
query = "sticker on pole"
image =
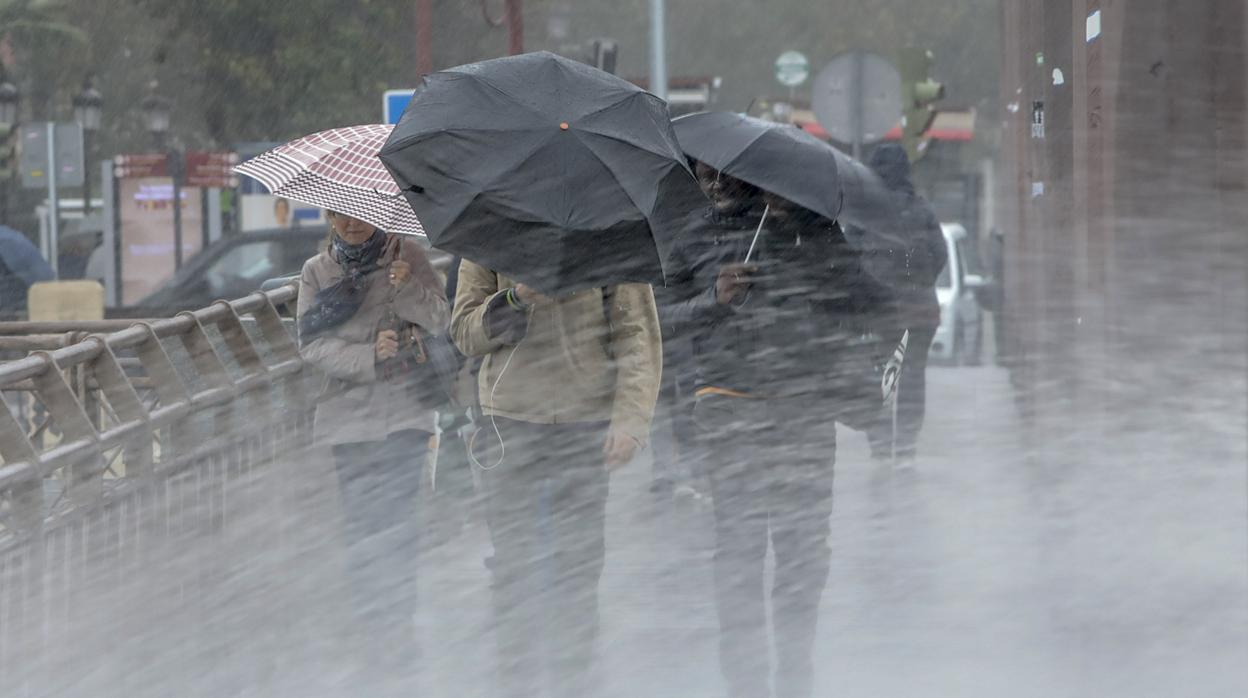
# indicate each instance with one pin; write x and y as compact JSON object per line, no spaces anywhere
{"x":792,"y":69}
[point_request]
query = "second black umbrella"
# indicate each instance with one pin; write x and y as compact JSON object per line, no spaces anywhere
{"x":544,"y":169}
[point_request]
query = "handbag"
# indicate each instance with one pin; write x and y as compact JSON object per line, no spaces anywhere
{"x":426,"y":362}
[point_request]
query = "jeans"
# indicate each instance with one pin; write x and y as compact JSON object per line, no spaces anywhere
{"x":379,"y":482}
{"x":770,"y":466}
{"x":547,"y":516}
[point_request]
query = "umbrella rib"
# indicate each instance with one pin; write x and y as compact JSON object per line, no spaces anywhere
{"x":610,"y":171}
{"x":391,"y":147}
{"x":741,"y":154}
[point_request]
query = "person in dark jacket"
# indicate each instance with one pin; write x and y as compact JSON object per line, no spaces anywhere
{"x":678,"y":458}
{"x":767,"y":335}
{"x":926,"y":254}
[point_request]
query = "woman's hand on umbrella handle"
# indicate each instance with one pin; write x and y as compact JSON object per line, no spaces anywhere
{"x":529,"y":296}
{"x":400,"y":272}
{"x":733,"y":280}
{"x":387,"y":345}
{"x":619,"y":449}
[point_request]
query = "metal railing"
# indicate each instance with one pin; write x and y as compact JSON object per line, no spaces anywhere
{"x":138,"y":462}
{"x":152,"y":395}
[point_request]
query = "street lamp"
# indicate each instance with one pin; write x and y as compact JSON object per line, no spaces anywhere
{"x":88,"y":111}
{"x":156,"y":111}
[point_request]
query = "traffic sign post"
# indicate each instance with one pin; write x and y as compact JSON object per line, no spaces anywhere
{"x":52,"y":157}
{"x":393,"y":103}
{"x":211,"y":170}
{"x":792,"y":69}
{"x":857,"y":98}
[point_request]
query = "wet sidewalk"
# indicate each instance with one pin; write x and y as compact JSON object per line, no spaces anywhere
{"x":982,"y":571}
{"x":985,"y":570}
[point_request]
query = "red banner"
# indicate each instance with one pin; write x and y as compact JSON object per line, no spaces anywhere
{"x":141,"y":165}
{"x":211,"y":170}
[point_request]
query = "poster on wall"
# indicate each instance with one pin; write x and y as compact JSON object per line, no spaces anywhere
{"x":145,"y":212}
{"x":264,"y":212}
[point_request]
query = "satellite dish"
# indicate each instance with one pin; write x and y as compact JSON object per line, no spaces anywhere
{"x":857,"y":97}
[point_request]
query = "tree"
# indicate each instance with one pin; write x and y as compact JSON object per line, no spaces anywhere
{"x":46,"y":47}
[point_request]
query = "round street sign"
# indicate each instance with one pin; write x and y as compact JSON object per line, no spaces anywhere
{"x":857,"y":97}
{"x":792,"y":69}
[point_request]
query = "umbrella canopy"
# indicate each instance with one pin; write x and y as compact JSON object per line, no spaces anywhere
{"x":338,"y":169}
{"x":21,"y":265}
{"x":791,"y":163}
{"x":23,"y":260}
{"x":778,"y":158}
{"x":544,"y":169}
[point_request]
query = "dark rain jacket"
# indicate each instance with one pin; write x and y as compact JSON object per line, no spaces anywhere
{"x":794,"y":332}
{"x":925,"y":253}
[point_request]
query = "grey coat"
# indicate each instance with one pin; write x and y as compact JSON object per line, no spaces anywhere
{"x":354,"y":406}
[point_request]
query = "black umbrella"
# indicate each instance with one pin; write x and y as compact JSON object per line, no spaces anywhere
{"x":791,"y":163}
{"x":544,"y":169}
{"x":778,"y":158}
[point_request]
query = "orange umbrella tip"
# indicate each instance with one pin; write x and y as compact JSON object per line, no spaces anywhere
{"x":563,"y":126}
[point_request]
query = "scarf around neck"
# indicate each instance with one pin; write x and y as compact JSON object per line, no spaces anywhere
{"x":340,"y":301}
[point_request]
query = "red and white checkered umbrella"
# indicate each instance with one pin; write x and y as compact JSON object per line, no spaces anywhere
{"x":338,"y":169}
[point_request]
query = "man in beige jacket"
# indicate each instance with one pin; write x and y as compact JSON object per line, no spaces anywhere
{"x":569,"y":386}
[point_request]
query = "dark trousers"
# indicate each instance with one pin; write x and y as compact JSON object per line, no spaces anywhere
{"x":380,"y":482}
{"x":770,"y":466}
{"x":911,"y":402}
{"x":674,"y":439}
{"x":547,"y":515}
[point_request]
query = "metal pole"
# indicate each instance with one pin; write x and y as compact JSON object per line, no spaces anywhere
{"x":658,"y":48}
{"x":112,"y":295}
{"x":856,"y":106}
{"x":54,"y":207}
{"x":175,"y":165}
{"x":86,"y":172}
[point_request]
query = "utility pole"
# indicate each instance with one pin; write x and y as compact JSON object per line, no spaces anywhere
{"x":515,"y":26}
{"x":658,"y":48}
{"x":54,"y":205}
{"x":424,"y":37}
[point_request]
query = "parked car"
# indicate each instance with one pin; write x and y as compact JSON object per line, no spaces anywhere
{"x":959,"y":339}
{"x":230,"y":268}
{"x":241,"y":264}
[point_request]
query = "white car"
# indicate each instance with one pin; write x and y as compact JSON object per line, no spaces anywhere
{"x":959,"y":339}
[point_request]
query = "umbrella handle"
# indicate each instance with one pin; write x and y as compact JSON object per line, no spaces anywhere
{"x":754,"y":242}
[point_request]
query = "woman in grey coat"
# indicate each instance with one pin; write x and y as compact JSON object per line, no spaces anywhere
{"x":360,"y":301}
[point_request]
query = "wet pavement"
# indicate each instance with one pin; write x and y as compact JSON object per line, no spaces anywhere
{"x":984,"y":570}
{"x":987,"y":569}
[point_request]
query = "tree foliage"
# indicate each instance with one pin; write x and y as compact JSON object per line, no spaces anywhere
{"x":258,"y":70}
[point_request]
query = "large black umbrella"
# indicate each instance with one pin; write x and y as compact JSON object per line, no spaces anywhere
{"x":778,"y":158}
{"x":544,"y":169}
{"x":791,"y":163}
